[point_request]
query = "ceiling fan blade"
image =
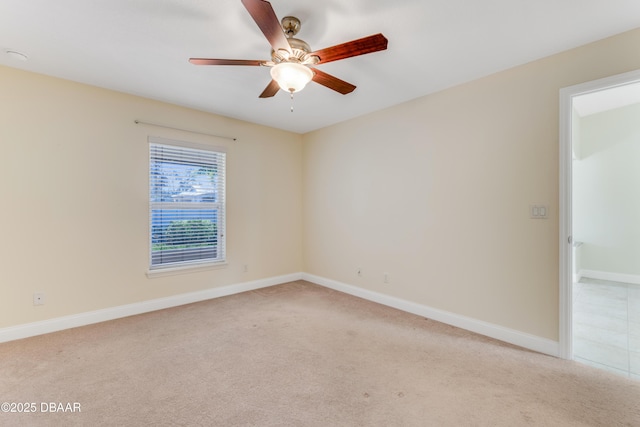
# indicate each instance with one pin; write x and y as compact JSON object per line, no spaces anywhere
{"x":270,"y":90}
{"x":211,"y":61}
{"x":332,"y":82}
{"x":361,"y":46}
{"x":262,"y":12}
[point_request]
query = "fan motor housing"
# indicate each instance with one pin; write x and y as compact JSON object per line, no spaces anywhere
{"x":299,"y":48}
{"x":297,"y":44}
{"x":299,"y":52}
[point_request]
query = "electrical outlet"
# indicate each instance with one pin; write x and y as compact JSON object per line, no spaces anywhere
{"x":245,"y":268}
{"x":386,"y":277}
{"x":38,"y":298}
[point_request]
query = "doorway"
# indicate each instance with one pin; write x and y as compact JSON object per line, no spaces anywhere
{"x":608,"y":287}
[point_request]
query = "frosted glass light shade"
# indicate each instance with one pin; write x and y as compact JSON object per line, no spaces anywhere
{"x":291,"y":77}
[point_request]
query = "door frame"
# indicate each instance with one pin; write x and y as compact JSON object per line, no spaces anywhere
{"x":566,"y":186}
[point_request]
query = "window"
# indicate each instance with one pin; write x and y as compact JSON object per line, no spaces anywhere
{"x":186,"y":204}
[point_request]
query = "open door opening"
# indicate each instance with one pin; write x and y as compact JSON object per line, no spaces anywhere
{"x":602,"y":101}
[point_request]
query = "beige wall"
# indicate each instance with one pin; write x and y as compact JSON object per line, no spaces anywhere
{"x":436,"y":192}
{"x":74,"y":173}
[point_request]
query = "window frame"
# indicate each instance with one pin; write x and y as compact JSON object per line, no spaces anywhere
{"x":219,"y":205}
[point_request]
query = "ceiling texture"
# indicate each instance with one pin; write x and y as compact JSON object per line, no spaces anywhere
{"x":142,"y":47}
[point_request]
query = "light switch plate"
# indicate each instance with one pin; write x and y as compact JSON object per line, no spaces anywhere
{"x":538,"y":211}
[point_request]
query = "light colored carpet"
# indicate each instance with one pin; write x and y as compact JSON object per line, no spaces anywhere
{"x":301,"y":355}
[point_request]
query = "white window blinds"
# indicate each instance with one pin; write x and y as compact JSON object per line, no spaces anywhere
{"x":186,"y":204}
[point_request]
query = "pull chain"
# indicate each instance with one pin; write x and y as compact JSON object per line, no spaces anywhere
{"x":292,"y":101}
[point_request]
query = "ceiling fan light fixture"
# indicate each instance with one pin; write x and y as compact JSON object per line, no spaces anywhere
{"x":291,"y":77}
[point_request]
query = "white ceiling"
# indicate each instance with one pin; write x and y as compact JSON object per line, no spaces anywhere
{"x":608,"y":99}
{"x":142,"y":47}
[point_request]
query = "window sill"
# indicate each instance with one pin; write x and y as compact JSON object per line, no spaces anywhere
{"x":185,"y":269}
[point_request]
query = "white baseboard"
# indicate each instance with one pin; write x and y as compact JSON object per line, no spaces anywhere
{"x":511,"y":336}
{"x":46,"y":326}
{"x":613,"y":277}
{"x":528,"y":341}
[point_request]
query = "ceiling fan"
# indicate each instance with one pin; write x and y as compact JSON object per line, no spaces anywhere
{"x":292,"y":59}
